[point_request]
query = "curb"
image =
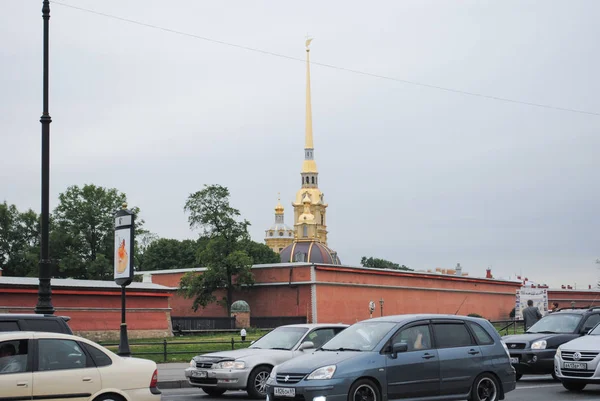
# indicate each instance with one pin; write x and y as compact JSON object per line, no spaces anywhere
{"x":173,"y":384}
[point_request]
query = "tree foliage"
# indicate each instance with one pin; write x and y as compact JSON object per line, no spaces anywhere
{"x":382,"y":264}
{"x":19,"y":241}
{"x":164,"y":253}
{"x":83,"y":231}
{"x":229,"y":252}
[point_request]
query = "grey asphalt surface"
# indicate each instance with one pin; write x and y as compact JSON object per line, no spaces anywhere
{"x":528,"y":389}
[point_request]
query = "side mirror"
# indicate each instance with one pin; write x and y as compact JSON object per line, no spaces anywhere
{"x":398,"y":348}
{"x":306,"y":345}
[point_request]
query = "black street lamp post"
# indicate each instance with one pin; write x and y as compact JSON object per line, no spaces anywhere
{"x":44,"y":304}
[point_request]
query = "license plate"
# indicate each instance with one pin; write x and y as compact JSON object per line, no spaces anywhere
{"x":285,"y":391}
{"x":514,"y":360}
{"x":575,"y":365}
{"x":198,"y":373}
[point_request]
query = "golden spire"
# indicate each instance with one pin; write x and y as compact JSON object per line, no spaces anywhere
{"x":309,"y":133}
{"x":279,"y":207}
{"x":309,"y":165}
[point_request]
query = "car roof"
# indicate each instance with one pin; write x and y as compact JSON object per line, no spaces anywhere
{"x":579,"y":311}
{"x":9,"y":335}
{"x":31,"y":316}
{"x":412,"y":317}
{"x":316,"y":325}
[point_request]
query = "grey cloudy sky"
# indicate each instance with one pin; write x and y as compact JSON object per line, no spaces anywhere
{"x":420,"y":176}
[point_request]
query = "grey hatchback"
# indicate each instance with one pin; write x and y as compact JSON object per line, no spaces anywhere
{"x":417,"y":357}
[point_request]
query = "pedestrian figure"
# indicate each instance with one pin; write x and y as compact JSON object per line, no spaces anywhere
{"x":554,"y":306}
{"x":531,"y":315}
{"x":243,"y":334}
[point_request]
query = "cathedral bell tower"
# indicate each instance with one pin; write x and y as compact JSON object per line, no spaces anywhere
{"x":310,"y":223}
{"x":309,"y":207}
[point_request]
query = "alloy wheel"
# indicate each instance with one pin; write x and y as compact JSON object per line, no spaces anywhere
{"x":487,"y":390}
{"x":364,"y":392}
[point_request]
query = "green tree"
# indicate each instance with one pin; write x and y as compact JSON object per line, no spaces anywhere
{"x":226,"y":257}
{"x":167,"y":253}
{"x":382,"y":264}
{"x":83,"y":233}
{"x":19,"y":241}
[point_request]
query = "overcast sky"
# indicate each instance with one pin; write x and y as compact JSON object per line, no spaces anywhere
{"x":420,"y":176}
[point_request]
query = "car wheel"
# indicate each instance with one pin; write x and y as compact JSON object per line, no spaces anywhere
{"x":574,"y":386}
{"x":257,"y":382}
{"x":518,"y":376}
{"x":109,"y":397}
{"x":485,"y":388}
{"x":213,"y":391}
{"x":364,"y":390}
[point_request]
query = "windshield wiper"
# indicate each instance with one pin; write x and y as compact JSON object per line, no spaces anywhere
{"x":280,"y":348}
{"x":341,"y":349}
{"x":542,"y":332}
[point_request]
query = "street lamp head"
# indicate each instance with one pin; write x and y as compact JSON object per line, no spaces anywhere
{"x":381,"y":301}
{"x":124,"y":206}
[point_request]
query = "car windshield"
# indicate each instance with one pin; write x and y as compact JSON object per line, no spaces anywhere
{"x":596,"y":331}
{"x":362,"y":336}
{"x":280,"y":338}
{"x":556,"y":323}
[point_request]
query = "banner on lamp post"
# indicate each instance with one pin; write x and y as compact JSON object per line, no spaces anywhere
{"x":124,"y":242}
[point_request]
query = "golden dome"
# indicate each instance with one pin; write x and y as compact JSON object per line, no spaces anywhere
{"x":279,"y":207}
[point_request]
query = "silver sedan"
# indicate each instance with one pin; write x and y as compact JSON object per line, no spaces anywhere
{"x":249,"y":368}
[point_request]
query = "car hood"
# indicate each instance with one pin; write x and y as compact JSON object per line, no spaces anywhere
{"x":585,"y":343}
{"x":238,"y":354}
{"x":307,"y":363}
{"x":552,"y":340}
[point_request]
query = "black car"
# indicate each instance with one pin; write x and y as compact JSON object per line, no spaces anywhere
{"x":34,"y":322}
{"x":532,"y":353}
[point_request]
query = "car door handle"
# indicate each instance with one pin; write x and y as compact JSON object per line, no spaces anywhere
{"x":86,"y":379}
{"x":473,"y":352}
{"x":22,"y":384}
{"x":428,"y":356}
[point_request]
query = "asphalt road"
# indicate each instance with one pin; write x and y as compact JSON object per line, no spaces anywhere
{"x":537,"y":389}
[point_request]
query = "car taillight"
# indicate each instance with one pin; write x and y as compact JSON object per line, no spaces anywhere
{"x":154,"y":381}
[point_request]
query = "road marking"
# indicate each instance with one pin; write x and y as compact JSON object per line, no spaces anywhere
{"x":539,"y":386}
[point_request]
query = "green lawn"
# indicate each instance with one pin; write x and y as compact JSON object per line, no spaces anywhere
{"x":183,"y":349}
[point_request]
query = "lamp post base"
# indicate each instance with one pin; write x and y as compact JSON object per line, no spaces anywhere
{"x":44,"y":304}
{"x":123,"y":342}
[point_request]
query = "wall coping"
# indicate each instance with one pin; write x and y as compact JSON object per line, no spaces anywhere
{"x":83,"y":285}
{"x":438,"y":276}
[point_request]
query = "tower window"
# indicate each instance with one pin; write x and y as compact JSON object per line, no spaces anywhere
{"x":307,"y":180}
{"x":322,"y":220}
{"x":281,"y":233}
{"x":271,"y":234}
{"x":305,"y":231}
{"x":313,"y":180}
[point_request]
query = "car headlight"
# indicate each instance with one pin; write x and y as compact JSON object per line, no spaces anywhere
{"x":324,"y":373}
{"x":230,"y":365}
{"x":273,"y":373}
{"x":192,"y":363}
{"x":541,"y":344}
{"x":559,"y":352}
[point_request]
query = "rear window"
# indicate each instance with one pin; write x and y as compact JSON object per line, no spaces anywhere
{"x":49,"y":325}
{"x":9,"y":326}
{"x":483,"y":338}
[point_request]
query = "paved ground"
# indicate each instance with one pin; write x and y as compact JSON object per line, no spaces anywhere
{"x":536,"y":389}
